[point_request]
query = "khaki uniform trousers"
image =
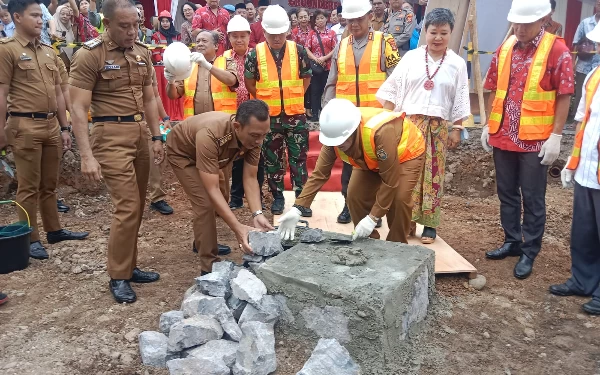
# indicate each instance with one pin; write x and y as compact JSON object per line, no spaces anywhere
{"x":121,"y":148}
{"x":204,"y":221}
{"x":37,"y":148}
{"x":362,"y":192}
{"x":156,"y":172}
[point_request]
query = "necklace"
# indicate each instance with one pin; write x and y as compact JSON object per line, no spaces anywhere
{"x":429,"y":83}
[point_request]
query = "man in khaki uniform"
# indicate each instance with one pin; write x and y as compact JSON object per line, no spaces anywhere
{"x":31,"y":95}
{"x":198,"y":149}
{"x":114,"y":73}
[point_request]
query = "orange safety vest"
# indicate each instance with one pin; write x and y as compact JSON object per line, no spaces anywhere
{"x":280,"y":89}
{"x":224,"y":99}
{"x":359,"y":84}
{"x":411,"y":146}
{"x":189,"y":86}
{"x":590,"y":91}
{"x":538,"y":107}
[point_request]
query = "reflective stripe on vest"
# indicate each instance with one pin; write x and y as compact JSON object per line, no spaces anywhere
{"x":411,"y":145}
{"x":538,"y":107}
{"x":359,"y":84}
{"x":189,"y":86}
{"x":224,"y":99}
{"x":272,"y":84}
{"x":590,"y":91}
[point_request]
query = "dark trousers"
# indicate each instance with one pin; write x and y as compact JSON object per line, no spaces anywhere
{"x":317,"y":88}
{"x":237,"y":175}
{"x":346,"y":174}
{"x":585,"y":242}
{"x":521,"y":178}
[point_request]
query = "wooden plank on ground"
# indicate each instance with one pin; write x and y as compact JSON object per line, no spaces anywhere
{"x":327,"y":205}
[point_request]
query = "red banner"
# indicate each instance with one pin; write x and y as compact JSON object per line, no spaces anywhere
{"x":314,"y":4}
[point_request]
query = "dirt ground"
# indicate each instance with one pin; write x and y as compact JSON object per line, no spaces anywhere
{"x":61,"y":318}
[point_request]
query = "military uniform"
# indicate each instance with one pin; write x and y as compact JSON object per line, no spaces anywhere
{"x":205,"y":143}
{"x":32,"y":128}
{"x":401,"y":25}
{"x":115,"y":76}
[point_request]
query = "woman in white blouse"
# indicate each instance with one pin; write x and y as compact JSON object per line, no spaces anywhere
{"x":430,"y":85}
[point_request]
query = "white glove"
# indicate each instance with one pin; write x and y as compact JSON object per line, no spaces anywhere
{"x":566,"y":176}
{"x":364,"y":228}
{"x":485,"y":138}
{"x":287,"y":224}
{"x":170,"y":77}
{"x":550,"y":149}
{"x":199,"y":59}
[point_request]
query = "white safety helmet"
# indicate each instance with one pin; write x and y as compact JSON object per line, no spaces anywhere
{"x":352,"y":9}
{"x":339,"y":119}
{"x":275,"y":20}
{"x":528,"y":11}
{"x":594,"y":35}
{"x":177,"y":60}
{"x":238,"y":23}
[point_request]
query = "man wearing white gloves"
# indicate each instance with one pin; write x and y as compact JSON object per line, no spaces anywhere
{"x":583,"y":168}
{"x":387,"y":153}
{"x":531,"y":83}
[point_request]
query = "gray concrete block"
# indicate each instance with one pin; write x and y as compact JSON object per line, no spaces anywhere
{"x":256,"y":353}
{"x":221,"y":350}
{"x":215,"y":284}
{"x":193,"y":331}
{"x":153,"y":348}
{"x":248,"y":287}
{"x":168,"y":319}
{"x":236,"y":306}
{"x":374,"y":308}
{"x":196,"y":366}
{"x":265,"y":243}
{"x":329,"y":357}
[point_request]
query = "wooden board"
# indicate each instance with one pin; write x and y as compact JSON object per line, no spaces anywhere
{"x":327,"y":206}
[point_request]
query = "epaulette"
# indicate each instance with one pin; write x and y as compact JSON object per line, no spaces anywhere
{"x":141,"y":44}
{"x":224,"y":139}
{"x":92,"y":43}
{"x":6,"y":40}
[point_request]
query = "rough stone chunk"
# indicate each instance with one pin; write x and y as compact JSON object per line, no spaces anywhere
{"x":153,"y":348}
{"x":267,"y":311}
{"x":168,"y":319}
{"x":196,"y":366}
{"x":194,"y":331}
{"x":256,"y":353}
{"x":478,"y":283}
{"x":248,"y":287}
{"x":265,"y":243}
{"x":328,"y":322}
{"x":349,"y":256}
{"x":199,"y":304}
{"x":221,"y":350}
{"x":215,"y":284}
{"x":312,"y":236}
{"x":191,"y":290}
{"x":252,"y":258}
{"x":236,"y":306}
{"x":236,"y":271}
{"x":329,"y":357}
{"x":224,"y":267}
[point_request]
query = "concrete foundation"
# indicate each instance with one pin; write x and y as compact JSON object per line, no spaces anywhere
{"x":372,"y":308}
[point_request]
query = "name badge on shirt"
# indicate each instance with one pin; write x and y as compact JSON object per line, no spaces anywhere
{"x":112,"y":67}
{"x":141,"y":63}
{"x":24,"y":57}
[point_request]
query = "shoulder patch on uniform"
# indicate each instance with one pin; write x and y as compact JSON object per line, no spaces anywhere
{"x":92,"y":43}
{"x":141,"y":44}
{"x":224,"y":139}
{"x":390,"y":40}
{"x":409,"y":17}
{"x":381,"y":154}
{"x":6,"y":40}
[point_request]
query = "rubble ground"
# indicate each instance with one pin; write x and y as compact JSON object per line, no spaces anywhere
{"x":61,"y":318}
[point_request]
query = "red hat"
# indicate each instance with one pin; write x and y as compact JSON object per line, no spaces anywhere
{"x":165,"y":14}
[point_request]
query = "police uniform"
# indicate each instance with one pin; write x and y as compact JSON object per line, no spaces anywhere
{"x":32,"y":128}
{"x":205,"y":143}
{"x":115,"y":76}
{"x":401,"y":25}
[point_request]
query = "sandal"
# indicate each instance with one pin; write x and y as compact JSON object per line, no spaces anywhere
{"x":428,"y":236}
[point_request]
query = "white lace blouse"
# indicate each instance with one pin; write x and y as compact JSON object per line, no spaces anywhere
{"x":449,"y":98}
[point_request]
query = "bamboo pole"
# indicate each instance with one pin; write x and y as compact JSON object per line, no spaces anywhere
{"x":476,"y":61}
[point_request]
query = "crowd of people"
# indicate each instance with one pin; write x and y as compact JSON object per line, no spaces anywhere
{"x":388,"y":109}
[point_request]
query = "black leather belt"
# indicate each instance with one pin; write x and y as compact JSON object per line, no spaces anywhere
{"x":133,"y":118}
{"x":40,"y":115}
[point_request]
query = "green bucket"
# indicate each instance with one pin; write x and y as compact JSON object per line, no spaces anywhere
{"x":14,"y":243}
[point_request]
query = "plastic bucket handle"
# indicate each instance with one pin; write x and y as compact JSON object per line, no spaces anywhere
{"x":21,"y":207}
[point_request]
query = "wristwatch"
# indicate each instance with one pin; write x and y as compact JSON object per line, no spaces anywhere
{"x":256,"y":213}
{"x":166,"y":118}
{"x":158,"y":138}
{"x":65,"y":128}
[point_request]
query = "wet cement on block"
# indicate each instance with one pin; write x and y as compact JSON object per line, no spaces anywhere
{"x":371,"y":308}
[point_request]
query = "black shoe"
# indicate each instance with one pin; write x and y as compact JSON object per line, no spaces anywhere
{"x":508,"y":249}
{"x":563,"y":290}
{"x":278,"y":204}
{"x":61,"y":207}
{"x":121,"y":290}
{"x":223,"y":249}
{"x":3,"y":298}
{"x":344,"y":217}
{"x":304,"y":211}
{"x":592,"y":307}
{"x":37,"y":251}
{"x":379,"y":223}
{"x":235,"y":205}
{"x":65,"y":235}
{"x":524,"y":267}
{"x":162,"y":207}
{"x":140,"y":276}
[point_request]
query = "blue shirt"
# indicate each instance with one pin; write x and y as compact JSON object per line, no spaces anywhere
{"x":585,"y":27}
{"x":9,"y":29}
{"x":46,"y":17}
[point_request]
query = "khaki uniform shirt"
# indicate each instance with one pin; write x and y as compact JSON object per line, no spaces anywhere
{"x":115,"y":76}
{"x":401,"y":25}
{"x":209,"y":139}
{"x":62,"y":69}
{"x":377,"y":23}
{"x":203,"y":101}
{"x":389,"y":60}
{"x":387,"y":139}
{"x":31,"y":71}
